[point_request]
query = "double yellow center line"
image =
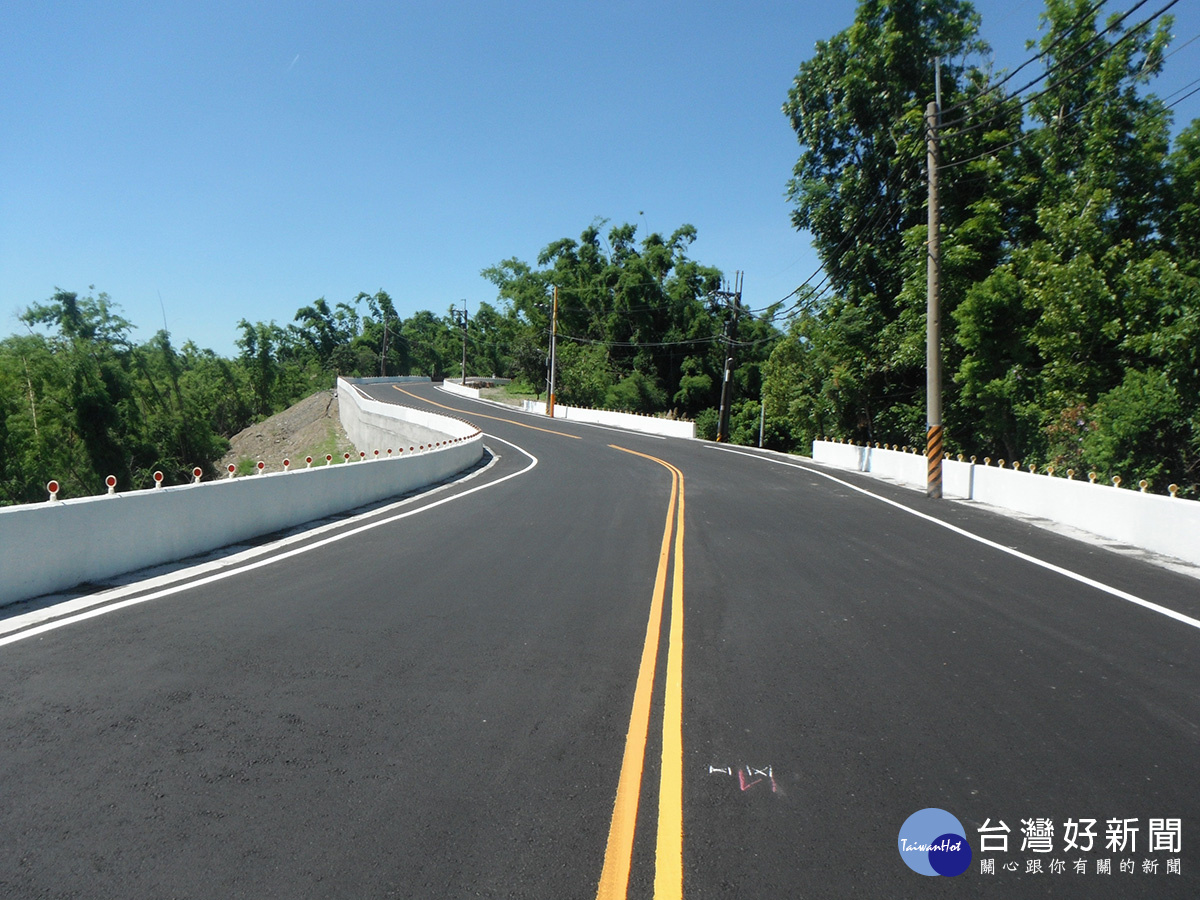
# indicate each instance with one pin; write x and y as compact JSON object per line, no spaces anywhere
{"x":668,"y":860}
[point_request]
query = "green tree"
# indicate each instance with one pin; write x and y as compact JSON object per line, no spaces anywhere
{"x":429,"y":344}
{"x":81,"y":401}
{"x":857,"y":107}
{"x":1140,"y":430}
{"x":635,"y":329}
{"x":490,"y":342}
{"x":90,"y":343}
{"x":1053,"y":326}
{"x":1181,"y":226}
{"x":1069,"y":265}
{"x":323,"y":330}
{"x":258,"y":345}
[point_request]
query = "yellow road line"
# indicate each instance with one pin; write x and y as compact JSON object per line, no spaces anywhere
{"x":668,"y":865}
{"x":476,"y":415}
{"x":668,"y":871}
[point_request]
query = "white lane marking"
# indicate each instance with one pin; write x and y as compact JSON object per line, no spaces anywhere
{"x":230,"y":573}
{"x":1075,"y":576}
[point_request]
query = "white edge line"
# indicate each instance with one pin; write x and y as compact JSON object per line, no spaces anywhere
{"x":229,"y":573}
{"x":1075,"y":576}
{"x":228,"y":557}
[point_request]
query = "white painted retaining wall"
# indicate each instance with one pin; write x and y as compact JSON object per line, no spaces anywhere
{"x":455,"y":388}
{"x":48,"y":547}
{"x":629,"y":421}
{"x":1151,"y":521}
{"x":375,"y":425}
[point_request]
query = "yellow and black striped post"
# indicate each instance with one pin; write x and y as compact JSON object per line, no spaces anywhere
{"x":933,"y":459}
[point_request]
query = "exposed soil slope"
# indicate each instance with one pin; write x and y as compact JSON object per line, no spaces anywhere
{"x":310,"y":428}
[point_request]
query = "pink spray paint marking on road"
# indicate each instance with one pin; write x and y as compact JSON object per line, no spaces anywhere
{"x":748,"y":776}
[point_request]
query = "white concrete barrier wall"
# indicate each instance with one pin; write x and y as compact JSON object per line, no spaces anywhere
{"x":49,"y":547}
{"x":455,"y":388}
{"x":1163,"y":524}
{"x":628,"y":421}
{"x":906,"y":468}
{"x":374,"y":425}
{"x":1153,"y":522}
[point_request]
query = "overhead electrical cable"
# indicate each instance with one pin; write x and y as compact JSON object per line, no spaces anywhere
{"x":1096,"y":101}
{"x":1088,"y":14}
{"x":984,"y":122}
{"x":1067,"y":60}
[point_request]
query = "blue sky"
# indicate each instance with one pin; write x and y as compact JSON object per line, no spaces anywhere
{"x":225,"y":160}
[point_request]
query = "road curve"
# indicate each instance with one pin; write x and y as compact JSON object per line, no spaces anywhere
{"x":612,"y":665}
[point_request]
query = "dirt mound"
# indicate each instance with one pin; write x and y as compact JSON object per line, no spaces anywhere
{"x":310,"y":428}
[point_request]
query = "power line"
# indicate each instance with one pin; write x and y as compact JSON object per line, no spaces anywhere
{"x":1191,"y":40}
{"x":1027,"y":101}
{"x":820,"y":291}
{"x":1087,"y":107}
{"x":1088,"y":14}
{"x":1184,"y":97}
{"x":898,"y":181}
{"x":1180,"y":91}
{"x":1073,"y":55}
{"x":596,"y":341}
{"x":1079,"y":113}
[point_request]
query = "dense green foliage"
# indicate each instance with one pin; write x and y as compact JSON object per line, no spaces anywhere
{"x":1070,"y":271}
{"x":638,"y":330}
{"x":1070,"y":288}
{"x":80,"y":400}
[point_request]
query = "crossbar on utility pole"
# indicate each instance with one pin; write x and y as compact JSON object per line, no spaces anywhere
{"x":933,"y":353}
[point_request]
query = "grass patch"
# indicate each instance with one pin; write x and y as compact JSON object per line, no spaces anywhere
{"x":332,"y":445}
{"x":520,"y":390}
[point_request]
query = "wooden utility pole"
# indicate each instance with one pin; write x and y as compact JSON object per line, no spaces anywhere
{"x":464,"y":331}
{"x":383,"y":349}
{"x":734,"y":298}
{"x":933,"y":353}
{"x":553,"y":342}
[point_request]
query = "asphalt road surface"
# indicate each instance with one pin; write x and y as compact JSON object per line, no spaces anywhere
{"x":610,"y":665}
